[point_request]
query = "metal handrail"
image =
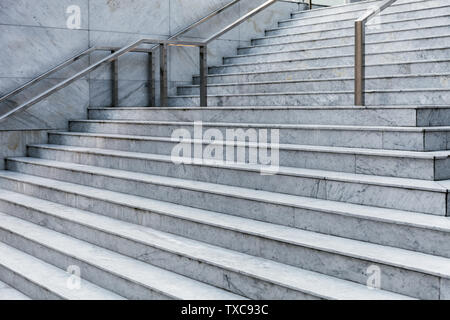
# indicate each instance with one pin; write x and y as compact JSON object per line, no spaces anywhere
{"x":111,"y":58}
{"x":80,"y":55}
{"x":360,"y":54}
{"x":118,"y":52}
{"x":241,"y":20}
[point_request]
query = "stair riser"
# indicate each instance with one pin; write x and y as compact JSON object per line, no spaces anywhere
{"x":298,"y":45}
{"x":377,"y":48}
{"x":396,"y":279}
{"x":328,"y":189}
{"x":419,"y":82}
{"x":332,"y":10}
{"x":337,"y":36}
{"x":248,"y":286}
{"x":31,"y":289}
{"x":387,"y":23}
{"x":319,"y":99}
{"x":351,"y":116}
{"x":309,"y":36}
{"x":90,"y":272}
{"x":350,"y":41}
{"x":365,"y":164}
{"x":274,"y":71}
{"x":360,"y":5}
{"x":400,"y":12}
{"x":374,"y":139}
{"x":309,"y":28}
{"x":324,"y":19}
{"x":410,"y":238}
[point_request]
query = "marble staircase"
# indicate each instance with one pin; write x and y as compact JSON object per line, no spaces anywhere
{"x":358,"y":189}
{"x":308,"y":60}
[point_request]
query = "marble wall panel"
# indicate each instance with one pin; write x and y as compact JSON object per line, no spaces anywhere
{"x":13,"y":143}
{"x":130,"y":16}
{"x":34,"y":37}
{"x":41,"y":13}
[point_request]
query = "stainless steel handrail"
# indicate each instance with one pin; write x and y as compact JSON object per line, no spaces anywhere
{"x":117,"y":52}
{"x":111,"y":58}
{"x":241,"y":20}
{"x":113,"y":49}
{"x":360,"y":55}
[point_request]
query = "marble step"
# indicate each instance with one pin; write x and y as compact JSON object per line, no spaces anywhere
{"x":384,"y":58}
{"x":338,"y":8}
{"x":396,"y":193}
{"x":410,"y":116}
{"x":346,"y":37}
{"x":9,"y":293}
{"x":333,"y":10}
{"x":386,"y":22}
{"x":298,"y":69}
{"x":403,"y":49}
{"x":96,"y":132}
{"x":389,"y":163}
{"x":425,"y":97}
{"x":438,"y":81}
{"x":348,"y":7}
{"x":404,"y":229}
{"x":40,"y":280}
{"x":251,"y":276}
{"x":373,"y":42}
{"x":393,"y":13}
{"x":373,"y":32}
{"x":407,"y":230}
{"x":406,"y":272}
{"x":129,"y":277}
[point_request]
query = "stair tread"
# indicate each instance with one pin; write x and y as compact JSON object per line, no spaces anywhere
{"x":348,"y":5}
{"x":341,"y":45}
{"x":309,"y":68}
{"x":9,"y":293}
{"x":345,"y":45}
{"x":416,"y":261}
{"x":363,"y":9}
{"x":292,"y":277}
{"x":318,"y":80}
{"x":383,"y":14}
{"x":359,"y":7}
{"x":254,"y":125}
{"x":424,"y":155}
{"x":312,"y":92}
{"x":263,"y":108}
{"x":369,"y":32}
{"x":375,"y":213}
{"x":49,"y":276}
{"x":416,"y":184}
{"x":160,"y":280}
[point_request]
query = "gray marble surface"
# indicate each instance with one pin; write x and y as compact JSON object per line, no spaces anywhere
{"x":14,"y":143}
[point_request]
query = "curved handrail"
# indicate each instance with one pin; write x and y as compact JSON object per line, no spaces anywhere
{"x":360,"y":55}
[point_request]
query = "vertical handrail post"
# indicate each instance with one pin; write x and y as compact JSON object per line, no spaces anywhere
{"x":151,"y":80}
{"x":203,"y":76}
{"x":115,"y":82}
{"x":310,"y":4}
{"x":163,"y":75}
{"x":359,"y":63}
